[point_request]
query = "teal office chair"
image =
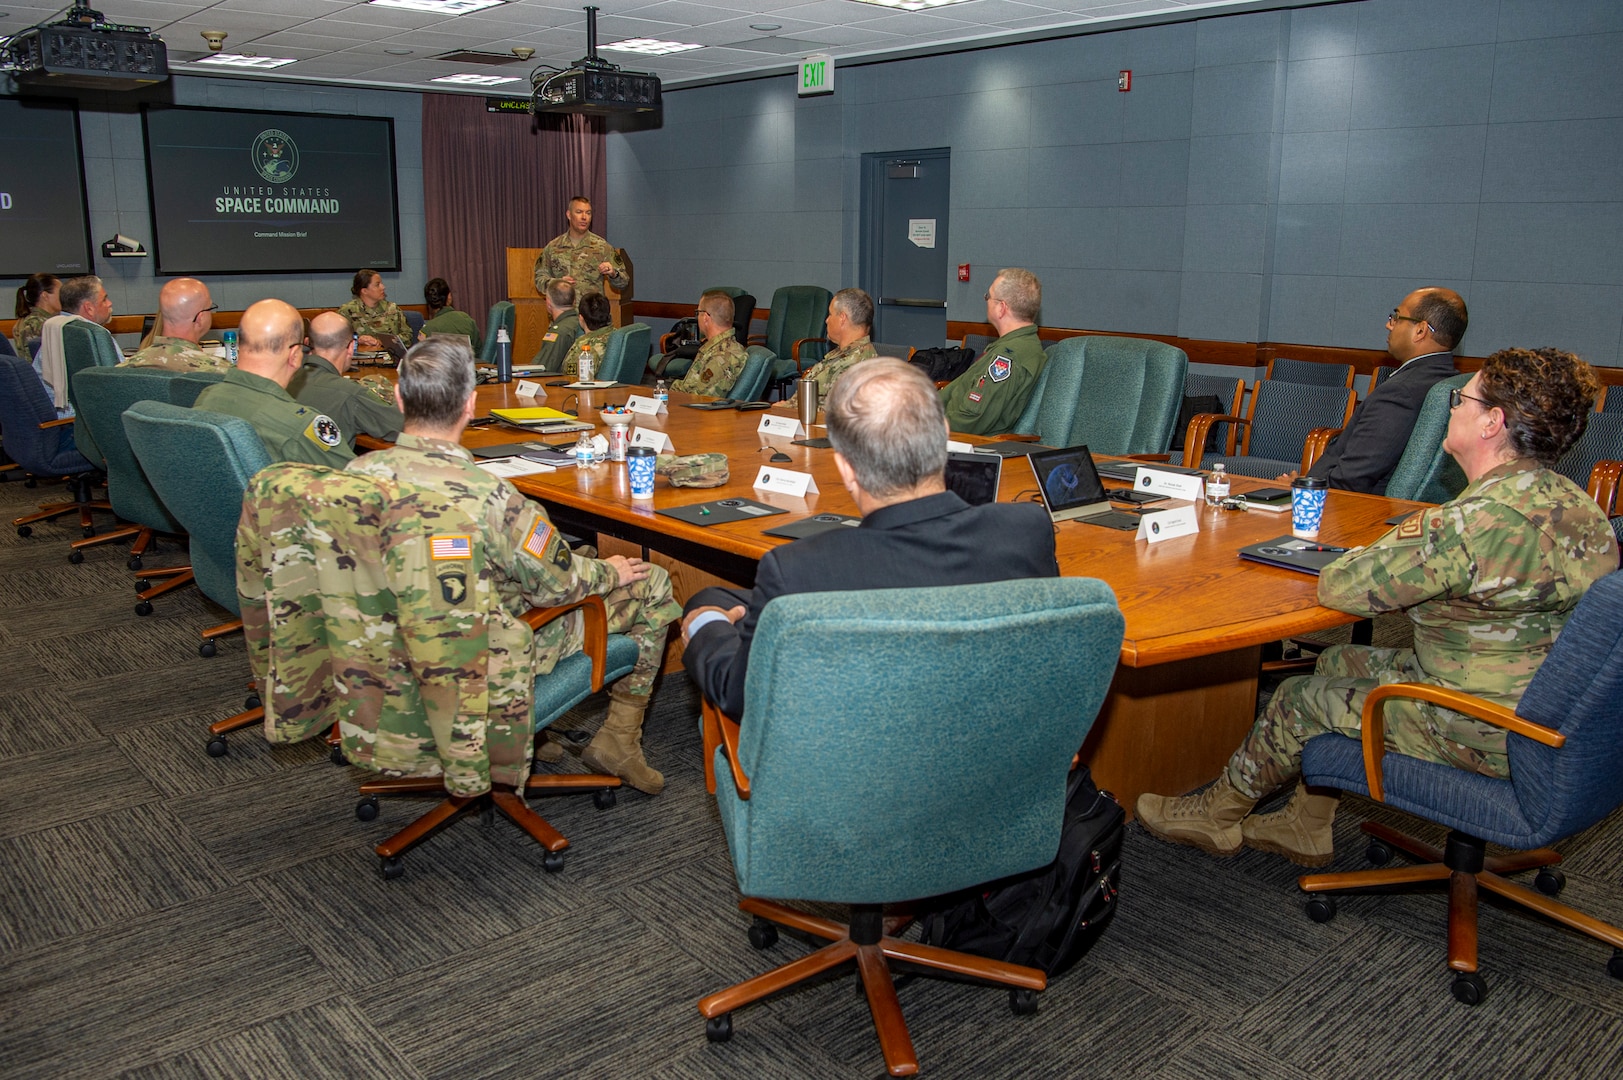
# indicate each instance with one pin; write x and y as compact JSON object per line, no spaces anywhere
{"x":186,"y":385}
{"x":1280,"y":420}
{"x":198,"y":462}
{"x":86,"y":345}
{"x":1425,"y":472}
{"x":625,"y":354}
{"x":947,"y":773}
{"x":503,"y":315}
{"x":796,"y":331}
{"x":414,"y":320}
{"x":1602,"y":440}
{"x":43,"y":446}
{"x":752,"y":382}
{"x":1309,"y":372}
{"x":1114,"y":395}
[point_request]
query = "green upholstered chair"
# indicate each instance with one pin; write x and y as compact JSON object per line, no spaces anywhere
{"x":796,"y":330}
{"x":1425,"y":472}
{"x":949,"y":772}
{"x":1602,"y":440}
{"x":186,"y":385}
{"x":1307,"y":371}
{"x":502,"y":315}
{"x":752,"y":382}
{"x":1114,"y":395}
{"x":103,"y":394}
{"x":86,"y":345}
{"x":199,"y":462}
{"x":625,"y":354}
{"x":43,"y":445}
{"x":1281,"y":418}
{"x":330,"y":569}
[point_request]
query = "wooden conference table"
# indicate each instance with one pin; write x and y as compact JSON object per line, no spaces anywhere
{"x":1184,"y":692}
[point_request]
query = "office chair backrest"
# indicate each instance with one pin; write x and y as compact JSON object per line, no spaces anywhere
{"x":24,"y":406}
{"x":1282,"y":414}
{"x":86,"y":345}
{"x":1425,"y":472}
{"x":948,"y":771}
{"x":1115,"y":395}
{"x":104,"y":394}
{"x":752,"y":381}
{"x":798,"y":311}
{"x":186,"y":385}
{"x":1602,"y":440}
{"x":625,"y":354}
{"x":1611,"y":400}
{"x":414,"y":320}
{"x":199,"y":463}
{"x":6,"y":348}
{"x":502,"y":315}
{"x":1309,"y":372}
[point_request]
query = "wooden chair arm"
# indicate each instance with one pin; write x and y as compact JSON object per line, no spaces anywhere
{"x":1194,"y":439}
{"x":721,"y":730}
{"x":1313,"y":448}
{"x":1015,"y":436}
{"x":1604,"y":480}
{"x":755,"y":339}
{"x":794,"y":350}
{"x":596,"y":637}
{"x":1374,"y":722}
{"x":61,"y":421}
{"x":665,"y":341}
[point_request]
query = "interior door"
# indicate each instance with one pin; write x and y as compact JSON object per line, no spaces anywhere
{"x":905,"y":244}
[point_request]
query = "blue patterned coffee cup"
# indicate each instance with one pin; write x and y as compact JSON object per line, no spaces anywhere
{"x":640,"y":468}
{"x":1308,"y":494}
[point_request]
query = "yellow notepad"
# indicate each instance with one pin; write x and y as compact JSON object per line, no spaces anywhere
{"x":530,"y":415}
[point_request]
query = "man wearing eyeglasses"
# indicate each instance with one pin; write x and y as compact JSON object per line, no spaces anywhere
{"x":187,"y":313}
{"x":358,"y":405}
{"x":1421,"y":335}
{"x":988,"y":398}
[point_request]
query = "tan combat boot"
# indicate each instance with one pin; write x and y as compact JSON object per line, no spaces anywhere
{"x":1301,"y":831}
{"x":617,"y":747}
{"x":1209,"y":821}
{"x":555,"y":742}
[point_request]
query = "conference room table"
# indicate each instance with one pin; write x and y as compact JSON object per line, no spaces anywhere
{"x":1184,"y":690}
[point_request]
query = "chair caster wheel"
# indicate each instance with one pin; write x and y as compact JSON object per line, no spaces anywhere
{"x":142,"y":585}
{"x":217,"y":746}
{"x":1377,"y":853}
{"x":252,"y":702}
{"x":393,"y":868}
{"x":25,"y":530}
{"x":207,"y":649}
{"x":719,"y":1028}
{"x":366,"y":810}
{"x":89,"y":531}
{"x":1023,"y":1002}
{"x":1321,"y":909}
{"x":603,"y":799}
{"x":144,"y":608}
{"x":1614,"y":966}
{"x":133,"y":562}
{"x":1550,"y":882}
{"x":552,"y":862}
{"x":1469,"y":989}
{"x":76,"y":557}
{"x":336,"y":756}
{"x":763,"y":935}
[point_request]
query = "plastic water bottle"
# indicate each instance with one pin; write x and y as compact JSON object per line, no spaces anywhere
{"x":583,"y":449}
{"x":587,"y":367}
{"x":662,"y":391}
{"x":228,"y":338}
{"x":1217,"y":484}
{"x":504,"y":356}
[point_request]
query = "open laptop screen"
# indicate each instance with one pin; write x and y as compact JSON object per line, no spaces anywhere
{"x":974,"y":477}
{"x":1068,"y":481}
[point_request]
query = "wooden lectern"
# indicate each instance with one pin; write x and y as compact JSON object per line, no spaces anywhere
{"x":531,"y":314}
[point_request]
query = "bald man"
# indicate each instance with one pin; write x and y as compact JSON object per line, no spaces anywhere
{"x":187,"y":312}
{"x":364,"y":405}
{"x":270,"y":349}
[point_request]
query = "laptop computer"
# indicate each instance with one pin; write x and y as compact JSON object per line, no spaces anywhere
{"x":1290,"y":553}
{"x":1128,"y":470}
{"x":1071,"y":491}
{"x":974,"y":478}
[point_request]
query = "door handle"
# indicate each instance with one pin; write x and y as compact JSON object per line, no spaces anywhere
{"x":905,"y":301}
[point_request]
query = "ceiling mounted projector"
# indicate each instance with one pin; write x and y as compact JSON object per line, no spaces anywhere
{"x":593,"y":86}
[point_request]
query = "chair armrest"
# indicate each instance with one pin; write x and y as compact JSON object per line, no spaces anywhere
{"x":1194,"y":440}
{"x":1313,"y":448}
{"x":595,"y":641}
{"x":794,"y":350}
{"x":755,"y":339}
{"x":1015,"y":436}
{"x":665,"y":342}
{"x":1604,"y":480}
{"x":1374,"y":721}
{"x":721,"y":730}
{"x":61,"y":421}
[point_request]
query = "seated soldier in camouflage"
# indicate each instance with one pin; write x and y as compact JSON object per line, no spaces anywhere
{"x":1488,"y":580}
{"x":593,"y":311}
{"x":533,"y":566}
{"x":37,"y":300}
{"x":372,"y":312}
{"x":850,"y":322}
{"x":185,"y":314}
{"x":721,"y":359}
{"x":358,"y":405}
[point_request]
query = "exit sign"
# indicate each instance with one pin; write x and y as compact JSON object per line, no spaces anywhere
{"x":816,"y":75}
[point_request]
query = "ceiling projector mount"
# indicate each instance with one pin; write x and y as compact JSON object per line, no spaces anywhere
{"x":593,"y":86}
{"x":85,"y":50}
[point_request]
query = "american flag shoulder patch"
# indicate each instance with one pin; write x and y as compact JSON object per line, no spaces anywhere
{"x":540,"y":536}
{"x":450,"y":547}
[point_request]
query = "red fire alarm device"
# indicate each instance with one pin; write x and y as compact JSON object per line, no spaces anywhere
{"x":1124,"y":81}
{"x":963,"y":271}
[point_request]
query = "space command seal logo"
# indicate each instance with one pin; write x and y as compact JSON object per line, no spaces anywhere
{"x":275,"y":156}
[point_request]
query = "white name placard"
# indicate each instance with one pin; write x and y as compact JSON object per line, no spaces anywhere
{"x":1172,"y":485}
{"x":787,"y":426}
{"x":529,"y":388}
{"x":785,"y":481}
{"x":645,"y":406}
{"x":653,"y":438}
{"x":600,"y":448}
{"x":956,"y":447}
{"x":1165,"y":524}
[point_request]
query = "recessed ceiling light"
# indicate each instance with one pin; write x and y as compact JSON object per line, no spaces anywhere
{"x":476,"y":80}
{"x":440,"y":7}
{"x":905,"y":5}
{"x":651,"y":46}
{"x":766,"y":27}
{"x":239,"y":60}
{"x":398,"y":52}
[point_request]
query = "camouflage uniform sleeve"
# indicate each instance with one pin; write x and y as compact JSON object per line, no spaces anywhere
{"x":1424,"y":557}
{"x":612,"y":256}
{"x":539,"y":273}
{"x":531,"y":551}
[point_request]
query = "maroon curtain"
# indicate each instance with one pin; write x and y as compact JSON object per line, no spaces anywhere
{"x":492,"y":181}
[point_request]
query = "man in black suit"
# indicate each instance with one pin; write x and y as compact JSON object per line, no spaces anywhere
{"x":890,"y":446}
{"x":1421,"y":334}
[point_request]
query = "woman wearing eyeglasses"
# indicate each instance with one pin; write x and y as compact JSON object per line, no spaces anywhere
{"x":1488,"y":580}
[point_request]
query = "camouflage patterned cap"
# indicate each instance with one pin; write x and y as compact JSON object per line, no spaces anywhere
{"x":692,"y":470}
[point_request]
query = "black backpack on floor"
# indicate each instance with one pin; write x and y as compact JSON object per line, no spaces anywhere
{"x":1049,"y":917}
{"x":943,"y":364}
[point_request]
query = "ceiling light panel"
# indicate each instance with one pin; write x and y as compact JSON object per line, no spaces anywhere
{"x":236,"y":60}
{"x":439,"y":7}
{"x":899,"y":5}
{"x":651,"y":46}
{"x":476,"y":80}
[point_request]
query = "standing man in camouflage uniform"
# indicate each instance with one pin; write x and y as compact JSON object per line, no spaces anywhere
{"x":580,"y":256}
{"x":270,"y":351}
{"x":594,"y":334}
{"x":372,"y":312}
{"x":989,"y":397}
{"x":532,"y":564}
{"x":721,"y":358}
{"x":850,"y":322}
{"x":357,"y":405}
{"x":563,"y":328}
{"x":187,"y":313}
{"x":1488,"y":580}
